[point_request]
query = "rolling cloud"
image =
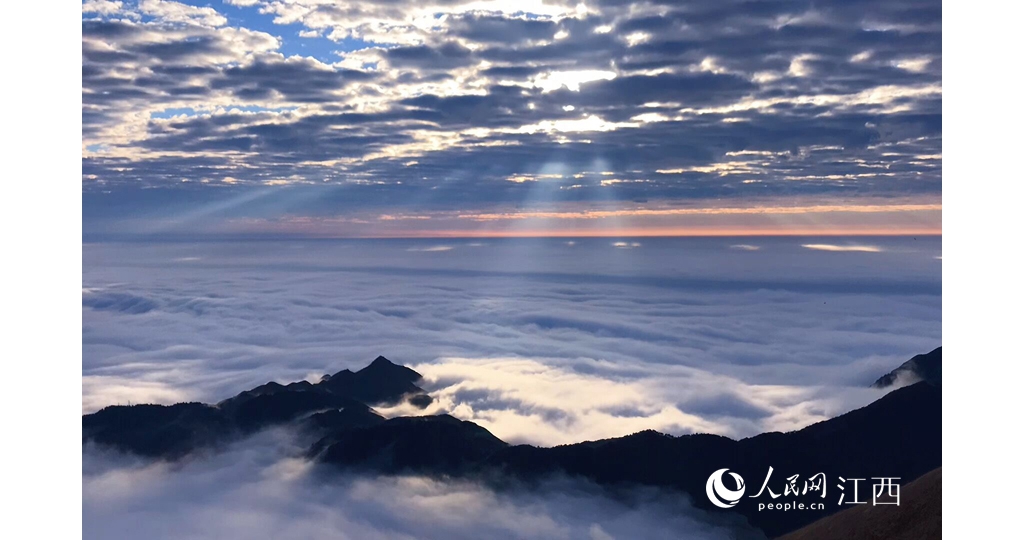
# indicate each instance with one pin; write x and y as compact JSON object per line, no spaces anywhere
{"x":257,"y":488}
{"x":537,"y":340}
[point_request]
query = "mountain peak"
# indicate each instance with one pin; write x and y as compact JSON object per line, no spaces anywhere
{"x":923,"y":367}
{"x":380,"y":360}
{"x":381,"y":367}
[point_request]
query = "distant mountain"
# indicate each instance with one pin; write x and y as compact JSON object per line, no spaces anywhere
{"x":918,"y":517}
{"x":899,"y":435}
{"x":169,"y":431}
{"x":338,"y":401}
{"x":380,"y":382}
{"x":438,"y":444}
{"x":923,"y":367}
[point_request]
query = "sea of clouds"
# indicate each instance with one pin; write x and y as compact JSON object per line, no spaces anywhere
{"x":540,"y":341}
{"x":259,"y":488}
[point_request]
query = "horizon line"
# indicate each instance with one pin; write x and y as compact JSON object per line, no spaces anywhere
{"x":487,"y":235}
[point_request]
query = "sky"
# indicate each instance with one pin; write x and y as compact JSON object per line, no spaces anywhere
{"x":481,"y":118}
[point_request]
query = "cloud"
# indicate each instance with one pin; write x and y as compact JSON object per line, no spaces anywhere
{"x":178,"y":12}
{"x":416,"y":107}
{"x":530,"y":401}
{"x":115,"y":301}
{"x":504,"y":332}
{"x":102,"y":7}
{"x":258,"y":488}
{"x":99,"y":391}
{"x":430,"y":249}
{"x":833,"y":247}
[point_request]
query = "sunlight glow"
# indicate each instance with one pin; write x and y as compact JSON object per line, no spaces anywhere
{"x":833,"y":247}
{"x":551,"y":81}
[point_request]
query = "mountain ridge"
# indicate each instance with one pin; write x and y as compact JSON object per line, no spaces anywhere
{"x":922,"y":367}
{"x":898,"y":435}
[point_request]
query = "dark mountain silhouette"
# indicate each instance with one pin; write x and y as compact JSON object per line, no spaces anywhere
{"x":899,"y":435}
{"x":918,"y":517}
{"x":923,"y":367}
{"x":380,"y":382}
{"x":346,"y":417}
{"x":336,"y":402}
{"x":157,"y":430}
{"x":425,"y":444}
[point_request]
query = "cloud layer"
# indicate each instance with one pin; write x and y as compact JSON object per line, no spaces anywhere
{"x":256,"y":489}
{"x":541,"y":341}
{"x":492,"y":104}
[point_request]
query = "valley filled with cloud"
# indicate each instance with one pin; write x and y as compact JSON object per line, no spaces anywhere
{"x":257,"y":489}
{"x":537,"y":340}
{"x":541,"y":341}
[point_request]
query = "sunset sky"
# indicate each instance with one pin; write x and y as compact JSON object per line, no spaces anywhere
{"x":500,"y":118}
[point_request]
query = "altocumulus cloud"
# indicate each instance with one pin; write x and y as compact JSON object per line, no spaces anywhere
{"x":482,"y":104}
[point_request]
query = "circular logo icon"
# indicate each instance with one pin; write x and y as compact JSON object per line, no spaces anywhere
{"x":722,"y":496}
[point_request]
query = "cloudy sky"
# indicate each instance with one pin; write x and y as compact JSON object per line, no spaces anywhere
{"x":490,"y":118}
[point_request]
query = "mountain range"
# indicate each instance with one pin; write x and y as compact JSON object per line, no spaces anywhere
{"x":899,"y":435}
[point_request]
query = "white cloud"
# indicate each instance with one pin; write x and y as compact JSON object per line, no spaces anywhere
{"x":102,"y":7}
{"x":646,"y":338}
{"x":570,"y":79}
{"x":179,"y":12}
{"x":589,"y":123}
{"x":636,"y":38}
{"x":432,"y":248}
{"x":847,"y":247}
{"x":799,"y":67}
{"x":914,"y":65}
{"x":529,"y":401}
{"x":257,"y":489}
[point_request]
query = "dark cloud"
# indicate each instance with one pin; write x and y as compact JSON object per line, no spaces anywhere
{"x":443,"y":56}
{"x":294,"y":80}
{"x":447,"y":111}
{"x":690,"y":90}
{"x":501,"y":30}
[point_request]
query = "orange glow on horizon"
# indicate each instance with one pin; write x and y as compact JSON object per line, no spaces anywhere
{"x":767,"y":220}
{"x":637,"y":233}
{"x":723,"y":211}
